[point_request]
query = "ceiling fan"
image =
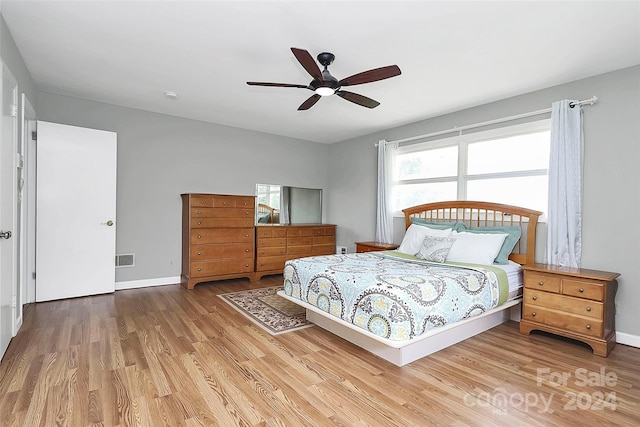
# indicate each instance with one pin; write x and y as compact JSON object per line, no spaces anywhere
{"x":324,"y":84}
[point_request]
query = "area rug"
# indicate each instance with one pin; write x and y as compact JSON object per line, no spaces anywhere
{"x":267,"y":309}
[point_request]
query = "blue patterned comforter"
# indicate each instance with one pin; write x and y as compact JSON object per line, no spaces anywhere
{"x":393,"y":295}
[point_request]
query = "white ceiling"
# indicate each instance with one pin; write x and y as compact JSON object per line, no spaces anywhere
{"x":453,"y":55}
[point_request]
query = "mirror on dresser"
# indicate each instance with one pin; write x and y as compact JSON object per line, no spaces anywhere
{"x":280,"y":204}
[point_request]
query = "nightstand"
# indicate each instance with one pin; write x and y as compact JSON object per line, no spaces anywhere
{"x":573,"y":302}
{"x":374,"y":246}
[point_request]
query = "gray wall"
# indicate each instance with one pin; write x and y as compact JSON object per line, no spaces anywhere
{"x":611,"y":230}
{"x":160,"y":157}
{"x":12,"y":58}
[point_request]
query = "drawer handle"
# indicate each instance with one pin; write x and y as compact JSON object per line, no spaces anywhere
{"x":246,"y":265}
{"x":247,"y":213}
{"x":581,"y":290}
{"x":247,"y":250}
{"x":588,"y":326}
{"x":541,"y":283}
{"x":199,"y":236}
{"x":199,"y":269}
{"x":246,"y":235}
{"x":588,"y":308}
{"x":202,"y":202}
{"x":199,"y":212}
{"x":199,"y":253}
{"x":533,"y":314}
{"x":199,"y":222}
{"x":534,"y":298}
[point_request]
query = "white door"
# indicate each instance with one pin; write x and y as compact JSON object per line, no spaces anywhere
{"x":8,"y":203}
{"x":76,"y":211}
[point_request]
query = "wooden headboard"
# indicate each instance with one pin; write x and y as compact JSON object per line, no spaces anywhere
{"x":263,"y":209}
{"x":484,"y":214}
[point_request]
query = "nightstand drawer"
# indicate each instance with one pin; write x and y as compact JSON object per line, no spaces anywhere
{"x":570,"y":322}
{"x":583,"y":289}
{"x":564,"y":303}
{"x":541,"y":281}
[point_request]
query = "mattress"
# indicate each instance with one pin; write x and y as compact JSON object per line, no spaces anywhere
{"x":393,"y":295}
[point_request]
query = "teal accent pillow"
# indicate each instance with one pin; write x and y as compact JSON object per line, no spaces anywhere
{"x":437,"y":225}
{"x":513,"y":235}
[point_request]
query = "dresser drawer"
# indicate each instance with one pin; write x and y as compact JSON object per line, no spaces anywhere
{"x":221,"y":235}
{"x":223,"y":213}
{"x":299,"y":250}
{"x":204,"y":201}
{"x":222,"y":201}
{"x":583,"y":289}
{"x":541,"y":281}
{"x":272,"y":242}
{"x":212,"y":268}
{"x":221,"y":222}
{"x":221,"y":251}
{"x":323,"y":250}
{"x":267,"y":232}
{"x":270,"y":263}
{"x":268,"y":251}
{"x":569,"y":322}
{"x":325,"y":240}
{"x":299,"y":241}
{"x":564,"y":303}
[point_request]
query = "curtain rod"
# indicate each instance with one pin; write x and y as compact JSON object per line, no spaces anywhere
{"x":589,"y":101}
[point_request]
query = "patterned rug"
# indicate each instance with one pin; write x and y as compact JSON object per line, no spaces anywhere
{"x":268,"y":310}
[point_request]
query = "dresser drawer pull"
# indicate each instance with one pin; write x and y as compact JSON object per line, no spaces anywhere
{"x":588,"y":308}
{"x":199,"y":222}
{"x":199,"y":253}
{"x":199,"y":236}
{"x":247,"y":250}
{"x":541,"y":283}
{"x":246,"y":213}
{"x":533,"y":313}
{"x":581,"y":290}
{"x":202,"y":202}
{"x":534,"y":298}
{"x":246,"y":235}
{"x":199,"y":269}
{"x":588,"y":326}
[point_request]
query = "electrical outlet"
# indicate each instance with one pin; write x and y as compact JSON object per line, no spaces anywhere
{"x":341,"y":250}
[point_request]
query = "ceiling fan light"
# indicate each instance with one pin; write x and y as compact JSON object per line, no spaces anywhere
{"x":325,"y":91}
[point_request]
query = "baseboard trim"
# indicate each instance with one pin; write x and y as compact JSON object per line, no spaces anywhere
{"x":628,"y":339}
{"x":147,"y":283}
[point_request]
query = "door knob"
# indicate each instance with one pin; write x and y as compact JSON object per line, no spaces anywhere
{"x":5,"y":234}
{"x":108,"y":223}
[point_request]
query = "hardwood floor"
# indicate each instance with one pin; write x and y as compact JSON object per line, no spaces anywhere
{"x":169,"y":356}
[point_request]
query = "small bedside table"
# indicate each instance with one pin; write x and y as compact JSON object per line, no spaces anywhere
{"x":374,"y":246}
{"x":573,"y":302}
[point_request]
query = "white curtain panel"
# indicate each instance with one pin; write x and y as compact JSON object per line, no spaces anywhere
{"x":564,"y":225}
{"x":384,"y":219}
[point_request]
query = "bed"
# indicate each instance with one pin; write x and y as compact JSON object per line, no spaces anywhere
{"x":455,"y":274}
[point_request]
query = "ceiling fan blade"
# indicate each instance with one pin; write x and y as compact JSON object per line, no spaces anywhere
{"x":306,"y":60}
{"x":309,"y":102}
{"x":371,"y":76}
{"x":277,"y":84}
{"x":357,"y":99}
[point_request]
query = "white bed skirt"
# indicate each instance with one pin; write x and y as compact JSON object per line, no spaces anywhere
{"x":402,"y":352}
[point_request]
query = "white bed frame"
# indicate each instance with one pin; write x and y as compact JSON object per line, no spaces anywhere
{"x":473,"y":214}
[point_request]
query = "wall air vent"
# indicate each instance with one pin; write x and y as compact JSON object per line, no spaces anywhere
{"x":125,"y":260}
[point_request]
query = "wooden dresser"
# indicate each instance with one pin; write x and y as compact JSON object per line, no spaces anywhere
{"x":276,"y":244}
{"x":218,"y":236}
{"x":573,"y":302}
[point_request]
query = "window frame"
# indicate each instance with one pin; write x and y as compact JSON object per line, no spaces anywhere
{"x":462,"y":142}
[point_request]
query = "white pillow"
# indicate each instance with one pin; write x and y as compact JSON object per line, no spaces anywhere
{"x":475,"y":248}
{"x":413,"y":238}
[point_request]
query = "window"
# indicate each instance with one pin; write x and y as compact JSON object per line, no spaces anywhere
{"x":506,"y":165}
